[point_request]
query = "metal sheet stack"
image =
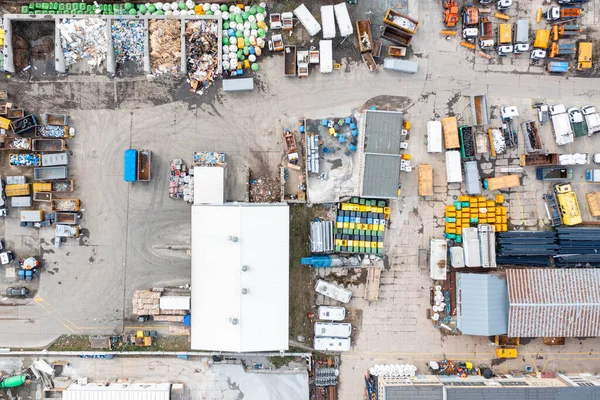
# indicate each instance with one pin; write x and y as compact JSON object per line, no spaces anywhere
{"x":312,"y":157}
{"x":321,"y":237}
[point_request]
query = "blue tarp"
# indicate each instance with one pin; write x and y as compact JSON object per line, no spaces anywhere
{"x":317,"y":261}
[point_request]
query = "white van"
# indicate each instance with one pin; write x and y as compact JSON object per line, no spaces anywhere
{"x":505,"y":50}
{"x":470,"y":33}
{"x":486,"y":44}
{"x":331,"y":329}
{"x":330,"y":313}
{"x":332,"y":291}
{"x":331,"y":344}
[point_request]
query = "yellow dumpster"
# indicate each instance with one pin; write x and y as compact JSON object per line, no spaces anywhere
{"x":584,"y":56}
{"x":506,"y":353}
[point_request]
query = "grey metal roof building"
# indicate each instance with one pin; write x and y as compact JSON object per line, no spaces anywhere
{"x":482,"y":304}
{"x":414,"y":392}
{"x":381,"y":163}
{"x":549,"y":302}
{"x":557,"y":393}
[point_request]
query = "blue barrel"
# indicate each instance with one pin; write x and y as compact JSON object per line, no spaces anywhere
{"x":130,"y":165}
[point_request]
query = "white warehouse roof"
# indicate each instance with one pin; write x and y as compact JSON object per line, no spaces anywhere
{"x":209,"y":184}
{"x":226,"y":239}
{"x":121,"y":391}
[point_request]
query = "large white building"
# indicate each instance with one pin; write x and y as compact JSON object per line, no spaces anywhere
{"x":240,"y":277}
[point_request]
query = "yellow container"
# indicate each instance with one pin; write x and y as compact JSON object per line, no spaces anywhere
{"x":331,"y":130}
{"x":363,"y":208}
{"x":481,"y":199}
{"x":504,"y":219}
{"x":490,"y":203}
{"x":450,"y":230}
{"x":339,"y":225}
{"x":481,"y":215}
{"x":361,"y":243}
{"x":450,"y":208}
{"x":491,"y":209}
{"x":483,"y":220}
{"x":344,"y":242}
{"x":352,"y":225}
{"x":504,"y":227}
{"x":338,"y":242}
{"x":465,"y":221}
{"x":406,"y":125}
{"x":199,"y":10}
{"x":458,"y":214}
{"x":387,"y":210}
{"x":466,"y":224}
{"x":373,"y":245}
{"x":459,"y":230}
{"x":351,"y":243}
{"x":499,"y":198}
{"x":464,"y":198}
{"x":345,"y":206}
{"x":451,"y":214}
{"x":346,"y":225}
{"x":450,"y":224}
{"x":498,"y":220}
{"x":382,"y":227}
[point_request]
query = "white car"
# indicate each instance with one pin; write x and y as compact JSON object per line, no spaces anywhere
{"x":521,"y":48}
{"x":596,"y":158}
{"x":538,"y":54}
{"x":6,"y":257}
{"x":505,"y":50}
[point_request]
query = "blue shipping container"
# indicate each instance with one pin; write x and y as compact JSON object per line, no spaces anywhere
{"x":558,"y":66}
{"x":130,"y":165}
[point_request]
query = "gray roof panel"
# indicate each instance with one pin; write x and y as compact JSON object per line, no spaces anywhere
{"x":381,"y":176}
{"x":383,"y":131}
{"x":416,"y":392}
{"x":556,"y":393}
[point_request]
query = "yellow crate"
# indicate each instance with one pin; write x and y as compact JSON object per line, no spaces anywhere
{"x":464,"y":198}
{"x":346,"y":225}
{"x":363,"y":208}
{"x":352,"y":225}
{"x":380,"y":245}
{"x":459,"y":230}
{"x":346,"y":206}
{"x":368,"y":208}
{"x":379,"y":210}
{"x":458,"y":214}
{"x":338,"y":242}
{"x":503,"y":210}
{"x":491,"y":209}
{"x":451,"y":214}
{"x":450,"y":230}
{"x":373,"y":245}
{"x":499,"y":198}
{"x":339,"y":225}
{"x":465,"y":220}
{"x":490,"y":203}
{"x":387,"y":210}
{"x":498,"y":220}
{"x":382,"y":227}
{"x":450,"y":208}
{"x":483,"y":220}
{"x":504,"y":227}
{"x":466,"y":224}
{"x":450,"y":224}
{"x":504,"y":219}
{"x":481,"y":215}
{"x":481,"y":199}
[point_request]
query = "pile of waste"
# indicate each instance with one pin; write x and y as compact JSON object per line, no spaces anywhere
{"x":128,"y":40}
{"x":21,"y":144}
{"x":181,"y":181}
{"x":243,"y":36}
{"x":25,"y":160}
{"x":83,"y":39}
{"x":393,"y":370}
{"x":202,"y":46}
{"x":265,"y":190}
{"x":165,"y":45}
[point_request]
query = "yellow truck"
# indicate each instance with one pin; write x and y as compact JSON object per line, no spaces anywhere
{"x":450,"y":129}
{"x":542,"y":37}
{"x":568,"y":204}
{"x":17,"y":190}
{"x":584,"y":56}
{"x":502,"y":182}
{"x":505,"y":34}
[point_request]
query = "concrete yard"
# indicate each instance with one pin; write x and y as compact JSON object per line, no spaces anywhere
{"x":86,"y":285}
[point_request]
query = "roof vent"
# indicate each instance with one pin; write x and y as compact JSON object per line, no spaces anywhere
{"x":244,"y":268}
{"x":234,"y":239}
{"x":244,"y":291}
{"x":234,"y":321}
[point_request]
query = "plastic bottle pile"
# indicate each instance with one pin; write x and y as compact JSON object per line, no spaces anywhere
{"x":393,"y":370}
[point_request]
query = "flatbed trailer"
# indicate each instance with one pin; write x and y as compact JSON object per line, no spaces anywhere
{"x":552,"y":209}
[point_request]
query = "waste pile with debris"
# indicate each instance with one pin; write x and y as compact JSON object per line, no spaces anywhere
{"x":181,"y":181}
{"x":84,"y":39}
{"x":165,"y":45}
{"x":128,"y":40}
{"x":265,"y":190}
{"x":202,"y":46}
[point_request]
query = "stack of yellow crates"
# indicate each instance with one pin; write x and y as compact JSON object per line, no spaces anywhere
{"x":475,"y":210}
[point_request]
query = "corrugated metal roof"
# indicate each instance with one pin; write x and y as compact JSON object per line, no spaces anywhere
{"x":382,"y":131}
{"x":416,"y":392}
{"x":133,"y":391}
{"x":554,"y":302}
{"x":381,"y":176}
{"x":556,"y":393}
{"x":483,"y":304}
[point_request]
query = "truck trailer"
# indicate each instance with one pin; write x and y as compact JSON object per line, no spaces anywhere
{"x":563,"y":133}
{"x":502,"y":182}
{"x":554,"y":174}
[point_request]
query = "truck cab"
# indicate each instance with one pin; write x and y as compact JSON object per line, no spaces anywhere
{"x":505,"y":50}
{"x":538,"y":54}
{"x":503,"y":5}
{"x":521,"y":48}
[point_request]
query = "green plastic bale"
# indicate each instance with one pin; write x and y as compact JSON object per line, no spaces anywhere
{"x":160,"y":12}
{"x":253,"y":10}
{"x":239,"y":19}
{"x":224,"y":7}
{"x":209,"y":12}
{"x":142,"y":8}
{"x":253,"y":25}
{"x":181,"y":5}
{"x":225,"y":25}
{"x":245,"y":15}
{"x":239,"y":34}
{"x":254,"y":67}
{"x":261,"y":32}
{"x":24,"y":9}
{"x":133,"y":11}
{"x":152,"y":8}
{"x":128,"y":6}
{"x":260,"y":10}
{"x":226,"y":40}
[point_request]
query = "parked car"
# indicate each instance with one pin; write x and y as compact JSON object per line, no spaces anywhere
{"x":521,"y":48}
{"x":17,"y":291}
{"x":596,"y":158}
{"x":505,"y":50}
{"x":6,"y":257}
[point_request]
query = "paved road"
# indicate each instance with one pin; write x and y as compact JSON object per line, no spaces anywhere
{"x":91,"y":290}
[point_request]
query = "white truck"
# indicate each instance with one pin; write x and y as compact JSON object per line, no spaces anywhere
{"x":592,"y":119}
{"x":563,"y":133}
{"x":308,"y":21}
{"x":453,"y":167}
{"x":332,"y":313}
{"x":332,"y":344}
{"x":328,"y":22}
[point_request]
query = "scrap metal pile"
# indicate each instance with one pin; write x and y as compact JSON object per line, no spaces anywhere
{"x":202,"y":44}
{"x":165,"y":45}
{"x":128,"y":40}
{"x":84,"y":39}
